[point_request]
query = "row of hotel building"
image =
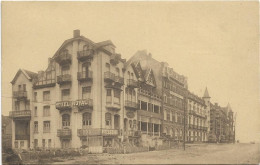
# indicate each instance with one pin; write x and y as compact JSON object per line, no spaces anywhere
{"x":90,"y":96}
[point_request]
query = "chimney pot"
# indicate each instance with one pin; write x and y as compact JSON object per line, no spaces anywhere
{"x":76,"y":33}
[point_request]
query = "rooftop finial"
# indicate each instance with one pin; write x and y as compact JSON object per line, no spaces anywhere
{"x":206,"y":93}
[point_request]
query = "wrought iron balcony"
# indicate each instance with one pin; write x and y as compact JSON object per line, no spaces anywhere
{"x":85,"y":76}
{"x":110,"y":132}
{"x":64,"y":133}
{"x":85,"y":54}
{"x":109,"y":77}
{"x":23,"y":114}
{"x":63,"y":79}
{"x":131,"y":105}
{"x":20,"y":94}
{"x":44,"y":84}
{"x":64,"y":59}
{"x":119,"y":80}
{"x":132,"y":83}
{"x":63,"y":105}
{"x":113,"y":106}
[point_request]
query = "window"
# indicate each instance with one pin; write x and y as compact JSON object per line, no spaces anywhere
{"x":65,"y":94}
{"x":165,"y":98}
{"x":107,"y":66}
{"x":35,"y":96}
{"x":21,"y":143}
{"x":109,"y":95}
{"x":43,"y":143}
{"x":65,"y":120}
{"x":108,"y":119}
{"x":117,"y":96}
{"x":168,"y":116}
{"x":173,"y":117}
{"x":35,"y":143}
{"x":20,"y":87}
{"x":143,"y":105}
{"x":46,"y":95}
{"x":86,"y":91}
{"x":65,"y":70}
{"x":156,"y":109}
{"x":36,"y":127}
{"x":49,"y":143}
{"x":86,"y":119}
{"x":117,"y":72}
{"x":48,"y":75}
{"x":134,"y":124}
{"x":46,"y":111}
{"x":46,"y":126}
{"x":17,"y":105}
{"x":35,"y":111}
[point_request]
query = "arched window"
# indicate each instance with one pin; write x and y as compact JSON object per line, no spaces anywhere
{"x":117,"y":72}
{"x":130,"y":124}
{"x":108,"y":119}
{"x":65,"y":120}
{"x":86,"y":119}
{"x":107,"y":66}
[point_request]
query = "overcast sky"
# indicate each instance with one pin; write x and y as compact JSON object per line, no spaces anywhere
{"x":214,"y":44}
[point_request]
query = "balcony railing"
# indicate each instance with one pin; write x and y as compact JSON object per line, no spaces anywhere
{"x":131,"y":105}
{"x":20,"y":114}
{"x":20,"y":94}
{"x":132,"y":83}
{"x":108,"y":76}
{"x":62,"y":79}
{"x":119,"y":80}
{"x":113,"y":106}
{"x":97,"y":131}
{"x":63,"y":105}
{"x":64,"y":59}
{"x":85,"y":54}
{"x":64,"y":133}
{"x":85,"y":76}
{"x":22,"y":137}
{"x":44,"y":84}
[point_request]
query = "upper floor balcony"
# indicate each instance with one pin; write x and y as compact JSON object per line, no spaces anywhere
{"x":83,"y":103}
{"x":113,"y":106}
{"x":132,"y":83}
{"x":63,"y":105}
{"x":64,"y":133}
{"x":20,"y":94}
{"x":131,"y":105}
{"x":20,"y":114}
{"x":64,"y":58}
{"x":119,"y":80}
{"x":63,"y":79}
{"x":85,"y":76}
{"x":97,"y":131}
{"x":109,"y":77}
{"x":44,"y":84}
{"x":85,"y":54}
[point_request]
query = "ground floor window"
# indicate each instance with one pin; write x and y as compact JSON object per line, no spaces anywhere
{"x":156,"y":127}
{"x":65,"y":143}
{"x":107,"y":142}
{"x":35,"y":143}
{"x":143,"y":126}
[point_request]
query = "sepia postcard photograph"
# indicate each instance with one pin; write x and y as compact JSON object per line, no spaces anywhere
{"x":130,"y":82}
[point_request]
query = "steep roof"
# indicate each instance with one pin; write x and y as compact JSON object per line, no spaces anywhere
{"x":28,"y":74}
{"x":206,"y":93}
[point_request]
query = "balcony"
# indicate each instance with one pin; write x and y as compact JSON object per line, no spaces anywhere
{"x":113,"y":106}
{"x":131,"y":105}
{"x":84,"y":103}
{"x":63,"y":59}
{"x":64,"y":79}
{"x":85,"y":54}
{"x":22,"y":137}
{"x":44,"y":84}
{"x":109,"y":77}
{"x":20,"y":115}
{"x":64,"y":133}
{"x":119,"y":80}
{"x":132,"y":83}
{"x":97,"y":131}
{"x":114,"y":59}
{"x":85,"y":76}
{"x":63,"y":105}
{"x":20,"y":94}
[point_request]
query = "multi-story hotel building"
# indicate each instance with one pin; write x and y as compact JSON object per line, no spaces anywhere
{"x":197,"y":119}
{"x":90,"y":97}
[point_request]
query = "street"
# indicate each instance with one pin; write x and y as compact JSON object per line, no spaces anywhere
{"x":244,"y":153}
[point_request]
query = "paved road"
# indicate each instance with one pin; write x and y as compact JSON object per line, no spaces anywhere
{"x":194,"y":154}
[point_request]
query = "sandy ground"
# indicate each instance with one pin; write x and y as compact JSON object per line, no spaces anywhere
{"x":194,"y":154}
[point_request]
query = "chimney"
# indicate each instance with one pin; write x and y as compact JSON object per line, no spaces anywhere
{"x":76,"y":33}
